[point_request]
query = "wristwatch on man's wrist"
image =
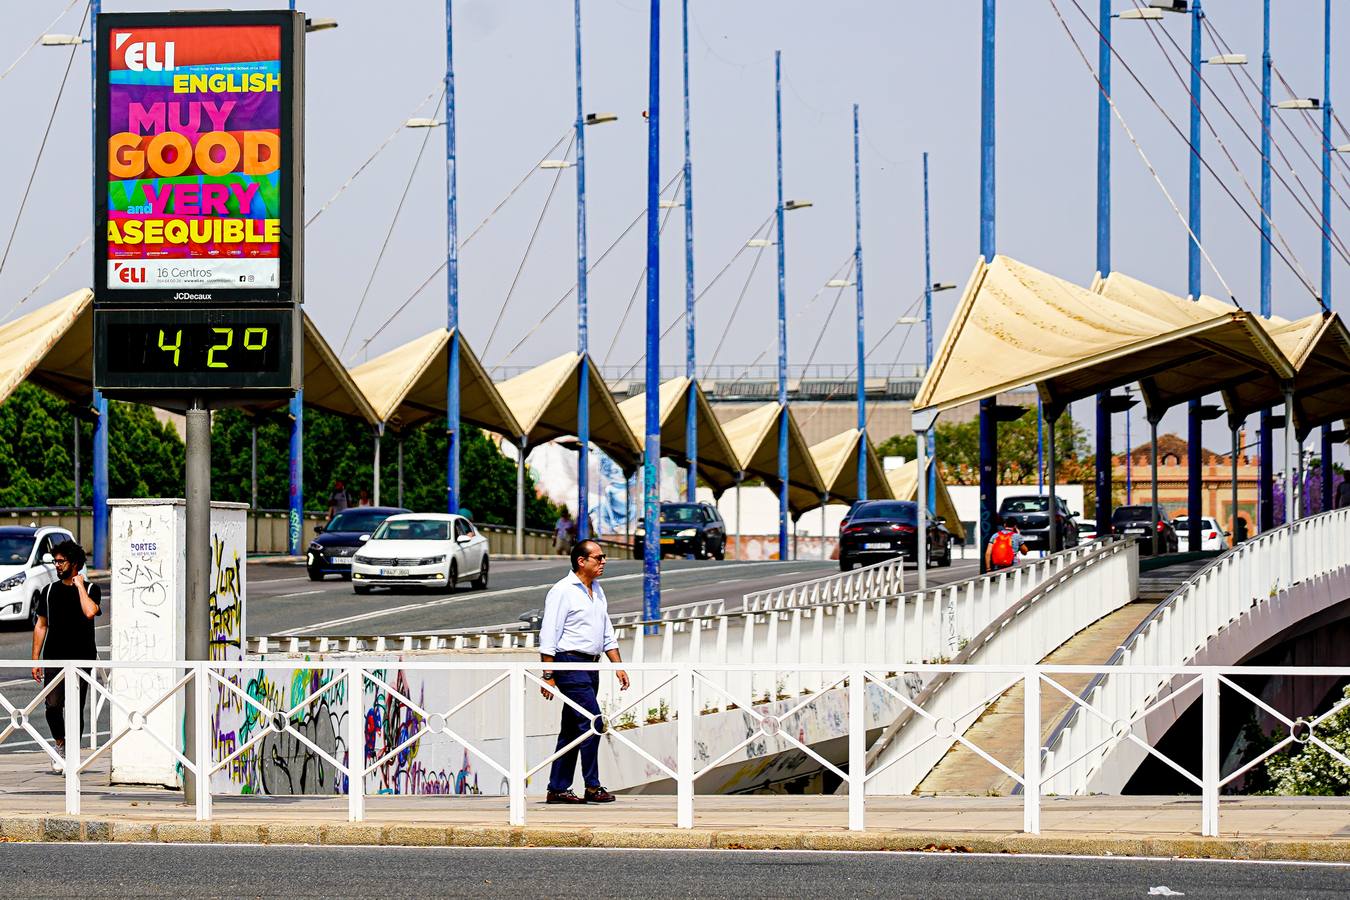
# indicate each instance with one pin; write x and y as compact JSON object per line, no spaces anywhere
{"x":547,"y":676}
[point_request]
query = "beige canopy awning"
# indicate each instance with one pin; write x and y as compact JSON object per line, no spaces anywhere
{"x":407,"y":386}
{"x":905,"y":486}
{"x":717,"y":463}
{"x":52,"y":347}
{"x":836,"y":460}
{"x":327,"y":383}
{"x":544,"y":403}
{"x":754,"y":439}
{"x":1017,"y":325}
{"x":1319,"y":348}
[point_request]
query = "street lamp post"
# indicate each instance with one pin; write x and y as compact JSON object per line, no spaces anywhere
{"x":691,"y":402}
{"x":782,"y":314}
{"x":1265,"y":453}
{"x":1326,"y":225}
{"x":452,"y":423}
{"x":651,"y":460}
{"x":988,"y":408}
{"x":1103,"y":423}
{"x":862,"y":353}
{"x":583,"y":372}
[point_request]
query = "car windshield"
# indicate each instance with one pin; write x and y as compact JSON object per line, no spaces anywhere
{"x":687,"y":514}
{"x":356,"y":520}
{"x":412,"y":530}
{"x":14,"y":550}
{"x":903,"y":511}
{"x":1026,"y":504}
{"x":1130,"y":513}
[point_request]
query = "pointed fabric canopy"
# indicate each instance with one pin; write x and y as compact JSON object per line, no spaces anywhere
{"x":836,"y":460}
{"x":407,"y":386}
{"x":1017,"y":325}
{"x":544,"y":404}
{"x":52,"y":347}
{"x":1319,"y":348}
{"x":754,"y":439}
{"x":717,"y":463}
{"x":905,"y":486}
{"x":327,"y":383}
{"x":1208,"y":359}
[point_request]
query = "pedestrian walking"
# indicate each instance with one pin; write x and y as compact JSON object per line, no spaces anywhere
{"x":66,"y":610}
{"x":564,"y":532}
{"x":1004,"y":546}
{"x":1343,"y":493}
{"x":339,"y":500}
{"x":363,"y":497}
{"x":576,"y":628}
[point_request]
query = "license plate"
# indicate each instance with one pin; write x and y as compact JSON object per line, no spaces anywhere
{"x":341,"y":560}
{"x":394,"y":573}
{"x":667,"y":540}
{"x":1136,"y":531}
{"x":881,"y":546}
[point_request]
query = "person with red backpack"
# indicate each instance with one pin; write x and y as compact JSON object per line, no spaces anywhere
{"x":1004,"y":546}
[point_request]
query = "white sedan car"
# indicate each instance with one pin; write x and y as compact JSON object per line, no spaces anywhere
{"x":1212,"y":537}
{"x":26,"y":568}
{"x":421,"y":550}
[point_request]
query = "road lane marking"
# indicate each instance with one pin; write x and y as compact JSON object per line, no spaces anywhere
{"x":296,"y":594}
{"x":457,"y":598}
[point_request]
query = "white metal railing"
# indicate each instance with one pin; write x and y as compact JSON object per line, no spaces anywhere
{"x":1234,"y":585}
{"x":678,"y":753}
{"x":1084,"y":591}
{"x":968,"y":605}
{"x":883,"y":579}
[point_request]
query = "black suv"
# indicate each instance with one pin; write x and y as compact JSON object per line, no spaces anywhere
{"x":1141,"y":522}
{"x":688,"y":529}
{"x":330,"y":553}
{"x":878,"y":530}
{"x":1029,"y":512}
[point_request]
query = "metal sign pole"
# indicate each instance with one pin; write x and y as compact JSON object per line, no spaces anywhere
{"x":197,"y":613}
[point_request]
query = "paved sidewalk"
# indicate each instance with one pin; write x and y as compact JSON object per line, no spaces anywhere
{"x":1309,"y":828}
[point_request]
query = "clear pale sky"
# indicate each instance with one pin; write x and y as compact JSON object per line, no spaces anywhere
{"x":913,"y":67}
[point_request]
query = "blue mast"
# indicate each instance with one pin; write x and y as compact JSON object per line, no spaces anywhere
{"x":1326,"y":226}
{"x":1195,"y":424}
{"x":782,"y":319}
{"x":691,"y":411}
{"x":452,"y":274}
{"x":988,"y":408}
{"x":858,"y":275}
{"x":1266,"y":478}
{"x":651,"y":460}
{"x":583,"y":372}
{"x":1103,"y":425}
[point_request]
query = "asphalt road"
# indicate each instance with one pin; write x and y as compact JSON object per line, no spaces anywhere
{"x":282,"y":600}
{"x":154,"y":870}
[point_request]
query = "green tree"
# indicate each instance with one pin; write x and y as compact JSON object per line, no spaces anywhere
{"x":958,"y":450}
{"x":339,"y":448}
{"x":145,"y":456}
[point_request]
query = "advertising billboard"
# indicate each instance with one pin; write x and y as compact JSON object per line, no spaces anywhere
{"x":199,"y":128}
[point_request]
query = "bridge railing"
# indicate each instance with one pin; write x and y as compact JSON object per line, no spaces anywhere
{"x":511,"y":737}
{"x":1088,"y":588}
{"x":1236,"y":584}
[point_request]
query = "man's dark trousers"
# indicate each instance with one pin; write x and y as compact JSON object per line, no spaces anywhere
{"x":56,"y":704}
{"x":580,"y":688}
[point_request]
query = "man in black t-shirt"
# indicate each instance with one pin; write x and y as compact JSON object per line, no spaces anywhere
{"x":65,"y":630}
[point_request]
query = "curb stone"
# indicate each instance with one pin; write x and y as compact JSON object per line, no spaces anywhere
{"x":61,"y":829}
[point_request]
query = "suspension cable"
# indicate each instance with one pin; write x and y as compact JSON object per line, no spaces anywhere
{"x":642,"y":276}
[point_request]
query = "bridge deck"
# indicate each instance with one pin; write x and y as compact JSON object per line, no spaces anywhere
{"x":999,"y":731}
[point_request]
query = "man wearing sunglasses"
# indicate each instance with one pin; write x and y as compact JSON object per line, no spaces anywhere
{"x":576,"y":628}
{"x":65,"y":630}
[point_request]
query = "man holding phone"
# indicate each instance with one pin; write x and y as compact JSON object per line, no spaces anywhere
{"x":65,"y":630}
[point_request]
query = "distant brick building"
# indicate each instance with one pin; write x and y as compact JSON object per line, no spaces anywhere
{"x":1216,"y":473}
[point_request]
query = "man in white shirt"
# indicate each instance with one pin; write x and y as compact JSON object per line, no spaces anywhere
{"x":576,"y":628}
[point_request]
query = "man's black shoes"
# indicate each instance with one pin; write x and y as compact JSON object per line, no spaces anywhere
{"x":564,"y":797}
{"x":598,"y":795}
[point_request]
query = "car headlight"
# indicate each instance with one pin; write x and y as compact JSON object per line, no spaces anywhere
{"x":360,"y":559}
{"x":431,"y":560}
{"x":688,"y":532}
{"x":315,"y":545}
{"x":13,"y":581}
